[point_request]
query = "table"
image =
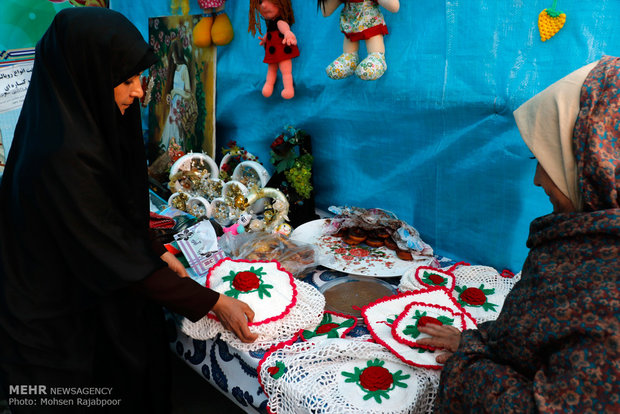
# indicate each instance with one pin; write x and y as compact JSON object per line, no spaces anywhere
{"x":229,"y":370}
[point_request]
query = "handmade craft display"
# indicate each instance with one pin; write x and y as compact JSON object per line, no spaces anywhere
{"x":343,"y":376}
{"x":550,"y":21}
{"x":282,"y":305}
{"x":232,"y":155}
{"x":360,"y":20}
{"x":481,"y":290}
{"x":291,"y":156}
{"x":280,"y":42}
{"x":381,"y":316}
{"x":240,"y":201}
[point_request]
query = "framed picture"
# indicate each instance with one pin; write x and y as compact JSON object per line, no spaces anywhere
{"x":182,"y":94}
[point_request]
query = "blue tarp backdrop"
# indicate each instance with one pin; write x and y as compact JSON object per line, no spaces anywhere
{"x":434,"y":139}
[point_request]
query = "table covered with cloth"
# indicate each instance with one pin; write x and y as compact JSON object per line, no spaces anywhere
{"x":232,"y":371}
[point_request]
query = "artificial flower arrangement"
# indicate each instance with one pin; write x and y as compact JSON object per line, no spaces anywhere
{"x":233,"y":155}
{"x":291,"y":155}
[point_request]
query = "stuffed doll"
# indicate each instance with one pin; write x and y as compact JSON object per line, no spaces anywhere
{"x":214,"y":27}
{"x":280,"y":43}
{"x":360,"y":20}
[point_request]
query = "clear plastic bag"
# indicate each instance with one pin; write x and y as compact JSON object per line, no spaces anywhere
{"x":296,"y":257}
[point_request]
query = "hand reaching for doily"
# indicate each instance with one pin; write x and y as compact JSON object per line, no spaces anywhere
{"x":443,"y":337}
{"x":235,"y":315}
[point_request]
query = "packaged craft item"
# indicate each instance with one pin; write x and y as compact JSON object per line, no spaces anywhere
{"x":296,"y":257}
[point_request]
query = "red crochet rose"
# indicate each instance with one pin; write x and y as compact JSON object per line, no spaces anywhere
{"x":246,"y":281}
{"x":474,"y":296}
{"x":273,"y":370}
{"x":326,"y":328}
{"x":435,"y":278}
{"x":425,"y":320}
{"x":376,"y":378}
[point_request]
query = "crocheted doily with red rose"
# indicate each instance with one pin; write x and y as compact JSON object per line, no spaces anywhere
{"x":282,"y":305}
{"x":382,"y":315}
{"x":481,"y":290}
{"x":343,"y":376}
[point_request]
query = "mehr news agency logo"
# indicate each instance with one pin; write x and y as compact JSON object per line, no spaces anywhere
{"x":44,"y":396}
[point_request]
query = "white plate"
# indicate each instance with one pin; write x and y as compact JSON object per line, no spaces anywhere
{"x":363,"y":260}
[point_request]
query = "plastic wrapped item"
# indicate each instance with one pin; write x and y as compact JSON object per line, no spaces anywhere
{"x":296,"y":257}
{"x":372,"y":222}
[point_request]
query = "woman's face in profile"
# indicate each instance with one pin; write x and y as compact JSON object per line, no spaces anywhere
{"x":126,"y":92}
{"x":561,"y":203}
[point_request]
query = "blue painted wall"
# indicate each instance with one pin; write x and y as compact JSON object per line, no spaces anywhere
{"x":434,"y":139}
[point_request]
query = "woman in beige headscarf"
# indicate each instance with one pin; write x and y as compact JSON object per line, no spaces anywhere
{"x":555,"y":345}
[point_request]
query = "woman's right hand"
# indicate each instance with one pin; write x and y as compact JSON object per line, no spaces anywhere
{"x":235,"y":315}
{"x":443,"y":337}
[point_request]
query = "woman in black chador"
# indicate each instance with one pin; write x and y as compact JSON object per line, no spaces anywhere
{"x":81,"y":282}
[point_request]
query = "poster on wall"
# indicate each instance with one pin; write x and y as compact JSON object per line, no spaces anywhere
{"x":182,"y":94}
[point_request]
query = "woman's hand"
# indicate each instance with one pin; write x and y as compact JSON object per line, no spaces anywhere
{"x":235,"y":315}
{"x":174,"y":264}
{"x":443,"y":337}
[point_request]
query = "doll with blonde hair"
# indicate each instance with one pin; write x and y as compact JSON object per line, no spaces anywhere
{"x":280,"y":42}
{"x":360,"y":20}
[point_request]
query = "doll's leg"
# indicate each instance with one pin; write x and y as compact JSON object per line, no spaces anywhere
{"x":344,"y":66}
{"x":286,"y":69}
{"x":272,"y":73}
{"x":374,"y":66}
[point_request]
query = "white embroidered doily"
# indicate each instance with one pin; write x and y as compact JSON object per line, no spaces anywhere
{"x":381,"y":315}
{"x":481,"y":290}
{"x":344,"y":376}
{"x":290,"y":307}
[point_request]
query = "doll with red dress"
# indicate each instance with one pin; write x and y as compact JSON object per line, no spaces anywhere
{"x":280,"y":42}
{"x":360,"y":20}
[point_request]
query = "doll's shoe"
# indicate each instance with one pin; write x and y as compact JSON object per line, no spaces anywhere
{"x":202,"y":32}
{"x":222,"y":30}
{"x":343,"y":67}
{"x":373,"y":67}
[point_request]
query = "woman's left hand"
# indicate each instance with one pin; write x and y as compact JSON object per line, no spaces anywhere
{"x":174,"y":264}
{"x":443,"y":337}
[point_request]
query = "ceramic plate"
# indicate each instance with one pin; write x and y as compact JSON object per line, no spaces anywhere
{"x":361,"y":259}
{"x":348,"y":294}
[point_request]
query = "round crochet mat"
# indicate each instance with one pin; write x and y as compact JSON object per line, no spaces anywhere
{"x":344,"y":376}
{"x":481,"y":290}
{"x":416,"y":314}
{"x":381,"y":315}
{"x":266,"y":286}
{"x":305,"y":314}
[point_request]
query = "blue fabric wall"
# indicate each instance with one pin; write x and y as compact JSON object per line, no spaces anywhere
{"x":434,"y":139}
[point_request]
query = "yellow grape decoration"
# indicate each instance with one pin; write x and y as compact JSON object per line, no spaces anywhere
{"x":550,"y":21}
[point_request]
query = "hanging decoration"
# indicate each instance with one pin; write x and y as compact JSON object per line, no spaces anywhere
{"x":550,"y":21}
